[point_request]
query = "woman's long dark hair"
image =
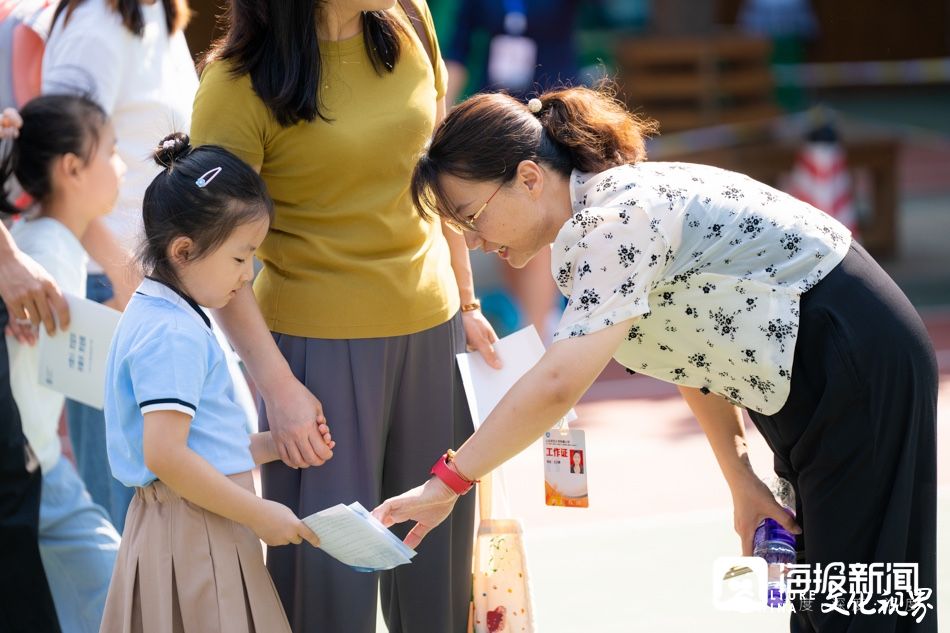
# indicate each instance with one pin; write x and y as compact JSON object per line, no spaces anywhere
{"x":275,"y":42}
{"x":176,"y":13}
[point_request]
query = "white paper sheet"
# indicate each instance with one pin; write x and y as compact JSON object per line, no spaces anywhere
{"x":485,"y":386}
{"x":354,"y":537}
{"x":74,"y":362}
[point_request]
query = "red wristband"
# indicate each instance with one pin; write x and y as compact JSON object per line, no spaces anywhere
{"x":449,"y":477}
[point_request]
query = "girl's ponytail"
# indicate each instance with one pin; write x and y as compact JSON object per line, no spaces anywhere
{"x":486,"y":137}
{"x":596,"y":130}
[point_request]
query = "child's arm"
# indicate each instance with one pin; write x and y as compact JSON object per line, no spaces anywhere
{"x":263,"y":449}
{"x":191,"y":476}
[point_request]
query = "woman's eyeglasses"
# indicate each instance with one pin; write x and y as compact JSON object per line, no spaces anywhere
{"x":460,"y":226}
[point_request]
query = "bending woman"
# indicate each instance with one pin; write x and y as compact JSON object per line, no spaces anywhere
{"x":741,"y":295}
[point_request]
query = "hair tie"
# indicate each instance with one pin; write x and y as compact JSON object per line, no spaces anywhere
{"x":169,"y":144}
{"x":535,"y":105}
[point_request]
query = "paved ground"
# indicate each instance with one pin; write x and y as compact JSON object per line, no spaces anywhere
{"x":640,"y":558}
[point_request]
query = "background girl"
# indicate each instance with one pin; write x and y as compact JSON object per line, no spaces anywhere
{"x":65,"y":159}
{"x":190,"y":556}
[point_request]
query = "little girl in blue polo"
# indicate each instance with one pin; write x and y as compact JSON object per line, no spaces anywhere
{"x":190,"y":558}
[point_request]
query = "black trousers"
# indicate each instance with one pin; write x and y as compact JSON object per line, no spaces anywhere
{"x":857,"y":437}
{"x":25,"y":602}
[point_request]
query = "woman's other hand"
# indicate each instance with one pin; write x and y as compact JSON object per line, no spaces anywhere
{"x":480,"y":336}
{"x":427,"y":505}
{"x":753,"y":502}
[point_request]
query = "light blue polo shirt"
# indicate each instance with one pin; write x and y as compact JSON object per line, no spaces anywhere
{"x":164,"y":356}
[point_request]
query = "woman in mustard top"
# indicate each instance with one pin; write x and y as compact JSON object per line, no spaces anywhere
{"x":361,"y":305}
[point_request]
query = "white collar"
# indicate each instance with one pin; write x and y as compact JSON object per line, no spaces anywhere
{"x":151,"y":287}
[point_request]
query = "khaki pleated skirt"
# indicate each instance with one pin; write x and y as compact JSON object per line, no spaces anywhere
{"x":183,"y":569}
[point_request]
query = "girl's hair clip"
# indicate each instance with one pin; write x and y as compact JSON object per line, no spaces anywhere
{"x":169,"y":144}
{"x":207,"y":177}
{"x":535,"y":105}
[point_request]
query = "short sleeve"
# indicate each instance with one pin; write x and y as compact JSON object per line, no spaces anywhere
{"x":229,"y":113}
{"x":81,"y":59}
{"x":168,"y":371}
{"x":608,"y":264}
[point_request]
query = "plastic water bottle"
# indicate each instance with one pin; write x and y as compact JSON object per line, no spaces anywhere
{"x":776,"y":544}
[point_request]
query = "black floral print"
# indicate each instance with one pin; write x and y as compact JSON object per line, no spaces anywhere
{"x":589,"y":299}
{"x":628,"y":255}
{"x":780,"y":331}
{"x":711,"y":264}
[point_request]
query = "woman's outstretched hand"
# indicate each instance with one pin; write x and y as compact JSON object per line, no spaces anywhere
{"x":753,"y":502}
{"x":427,"y":504}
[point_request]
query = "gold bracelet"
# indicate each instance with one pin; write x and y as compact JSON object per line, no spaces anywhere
{"x":471,"y":307}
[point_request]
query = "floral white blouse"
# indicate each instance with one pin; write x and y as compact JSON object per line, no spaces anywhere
{"x":712,"y":262}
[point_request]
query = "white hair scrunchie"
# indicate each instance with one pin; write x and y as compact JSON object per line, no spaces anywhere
{"x":535,"y":105}
{"x":169,"y":144}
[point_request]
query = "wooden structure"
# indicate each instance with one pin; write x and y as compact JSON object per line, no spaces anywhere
{"x":877,"y":157}
{"x":689,"y":82}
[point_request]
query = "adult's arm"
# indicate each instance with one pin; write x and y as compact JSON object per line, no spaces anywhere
{"x":723,"y":425}
{"x":28,"y":291}
{"x":532,"y":406}
{"x":294,"y":414}
{"x":479,"y":334}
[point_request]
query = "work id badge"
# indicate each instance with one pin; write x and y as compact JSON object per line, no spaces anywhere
{"x":565,"y":468}
{"x":511,"y":61}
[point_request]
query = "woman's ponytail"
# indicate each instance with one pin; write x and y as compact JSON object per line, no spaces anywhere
{"x":594,"y":127}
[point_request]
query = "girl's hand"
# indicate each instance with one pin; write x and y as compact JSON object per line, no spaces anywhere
{"x":276,"y":524}
{"x":10,"y":123}
{"x":429,"y":504}
{"x":753,"y":503}
{"x":479,"y":336}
